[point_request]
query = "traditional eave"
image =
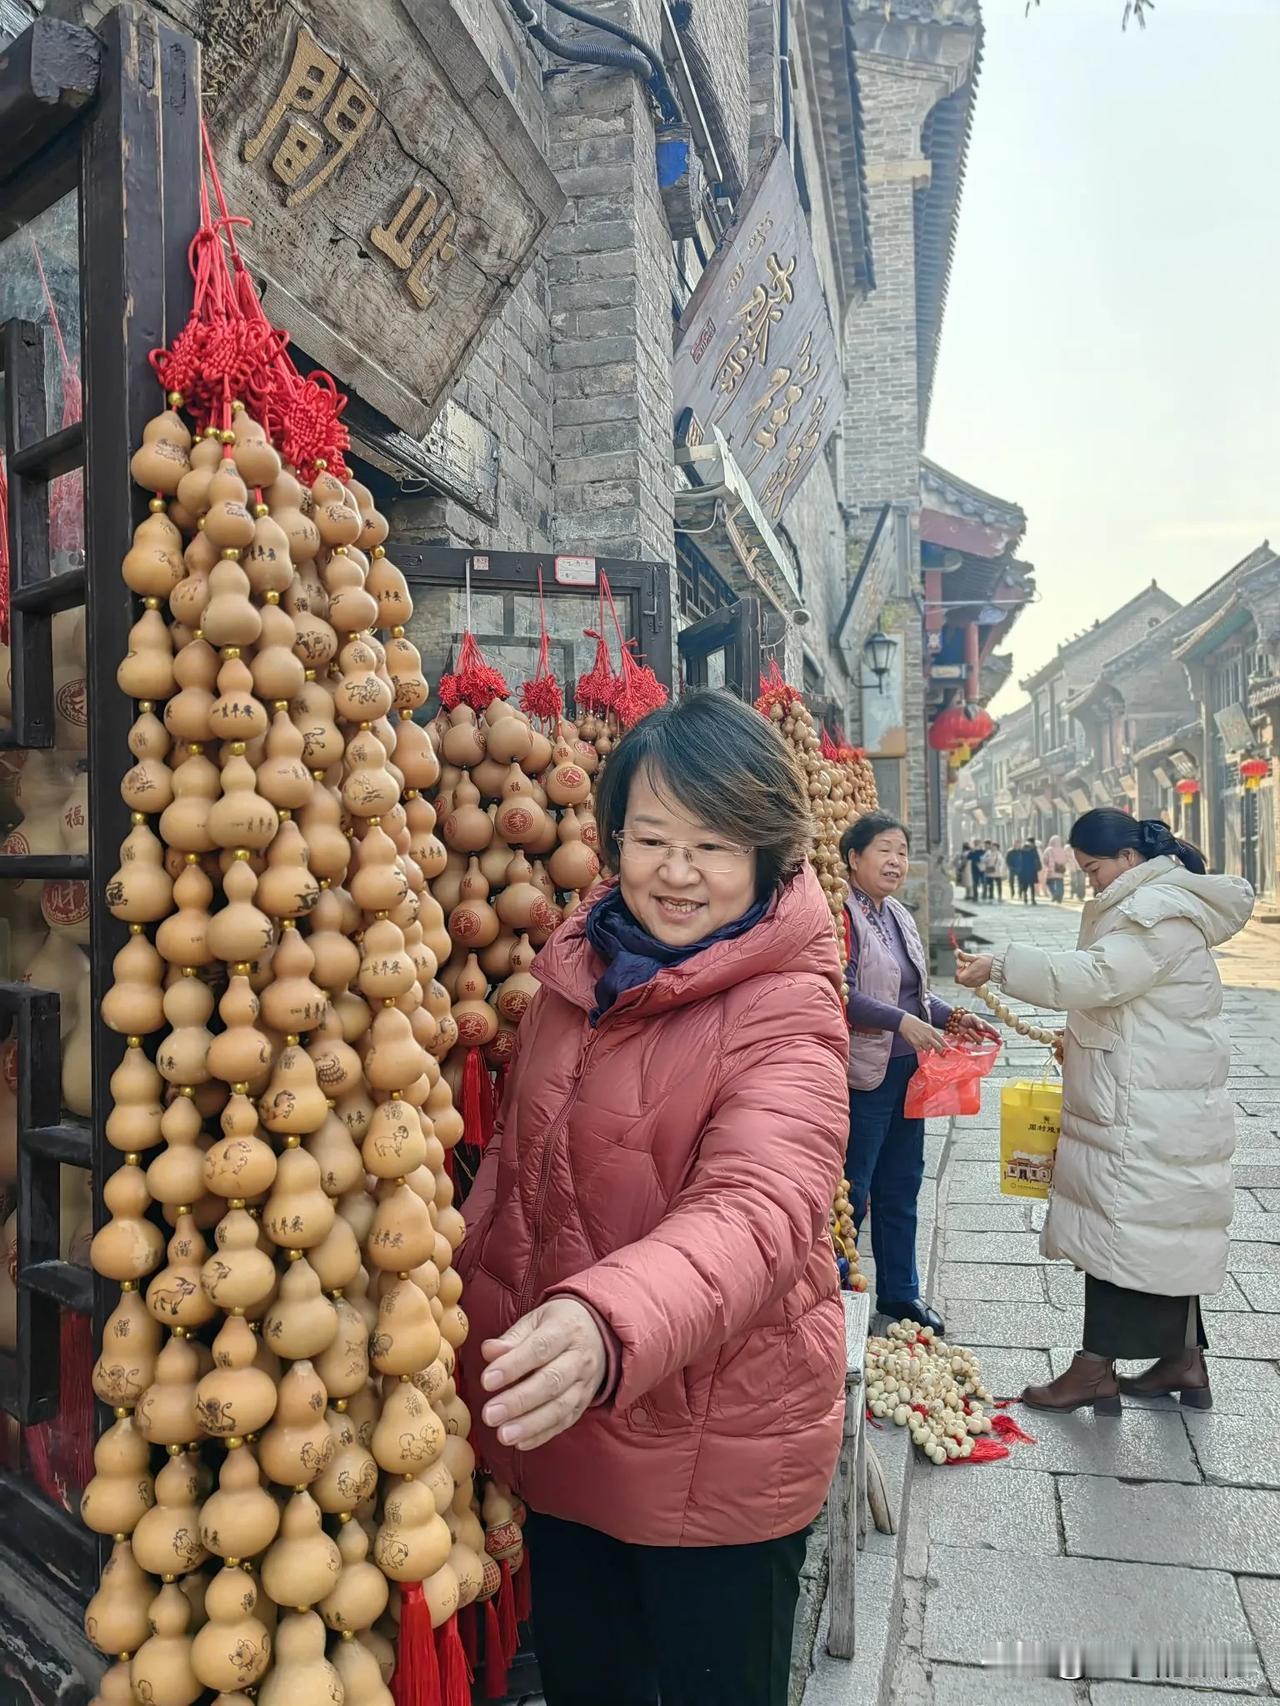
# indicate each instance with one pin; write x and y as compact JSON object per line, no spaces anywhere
{"x":1227,"y":620}
{"x":1189,"y":737}
{"x":827,"y":27}
{"x":1234,"y":611}
{"x":1095,"y":697}
{"x":912,"y":32}
{"x":945,"y":143}
{"x":949,"y":492}
{"x":1056,"y":664}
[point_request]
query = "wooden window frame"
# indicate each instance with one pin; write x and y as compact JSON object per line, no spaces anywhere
{"x":112,"y":115}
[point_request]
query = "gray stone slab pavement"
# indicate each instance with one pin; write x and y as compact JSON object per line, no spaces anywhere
{"x":1206,"y":1528}
{"x":1014,"y":1513}
{"x":978,"y":1598}
{"x":1262,"y":1608}
{"x":1160,"y":1523}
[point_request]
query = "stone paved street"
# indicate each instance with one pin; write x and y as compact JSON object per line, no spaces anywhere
{"x":1163,"y":1525}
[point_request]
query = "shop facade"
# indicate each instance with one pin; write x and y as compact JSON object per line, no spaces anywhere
{"x":617,"y":358}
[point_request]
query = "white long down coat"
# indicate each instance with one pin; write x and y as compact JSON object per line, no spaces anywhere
{"x":1142,"y":1186}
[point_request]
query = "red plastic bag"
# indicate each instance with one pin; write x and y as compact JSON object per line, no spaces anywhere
{"x":950,"y":1083}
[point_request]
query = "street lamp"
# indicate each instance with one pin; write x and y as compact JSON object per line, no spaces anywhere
{"x":877,"y":652}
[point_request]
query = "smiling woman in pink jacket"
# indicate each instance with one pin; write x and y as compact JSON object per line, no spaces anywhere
{"x":653,"y":1297}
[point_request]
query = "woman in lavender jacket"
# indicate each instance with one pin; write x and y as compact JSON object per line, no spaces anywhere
{"x":893,"y":1020}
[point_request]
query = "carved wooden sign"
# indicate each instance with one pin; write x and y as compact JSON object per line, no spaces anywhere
{"x":755,"y":353}
{"x":395,"y":195}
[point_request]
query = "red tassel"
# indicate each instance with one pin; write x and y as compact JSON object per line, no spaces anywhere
{"x":455,"y":1672}
{"x":495,"y":1666}
{"x":477,"y":1100}
{"x":524,"y":1590}
{"x":507,"y":1614}
{"x":985,"y":1450}
{"x":1007,"y":1428}
{"x":417,"y":1678}
{"x":467,"y":1628}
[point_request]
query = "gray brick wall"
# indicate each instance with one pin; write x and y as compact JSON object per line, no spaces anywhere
{"x":815,"y":530}
{"x":717,"y":41}
{"x":574,"y":379}
{"x":882,"y":424}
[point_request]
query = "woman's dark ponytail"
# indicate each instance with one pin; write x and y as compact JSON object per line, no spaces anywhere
{"x":1105,"y":833}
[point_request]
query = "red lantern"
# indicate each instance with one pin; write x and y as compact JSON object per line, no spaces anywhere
{"x":950,"y":729}
{"x":982,"y":725}
{"x":1252,"y":771}
{"x":1188,"y":787}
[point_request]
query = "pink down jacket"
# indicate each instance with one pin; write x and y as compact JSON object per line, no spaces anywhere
{"x":674,"y":1169}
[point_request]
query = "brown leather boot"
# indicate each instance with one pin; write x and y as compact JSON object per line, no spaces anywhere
{"x":1089,"y":1380}
{"x":1187,"y":1374}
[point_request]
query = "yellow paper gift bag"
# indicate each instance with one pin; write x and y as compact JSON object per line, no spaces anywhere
{"x":1030,"y":1120}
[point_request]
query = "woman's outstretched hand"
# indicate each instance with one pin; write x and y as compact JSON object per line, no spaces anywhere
{"x":923,"y":1037}
{"x":543,"y":1372}
{"x":972,"y":970}
{"x":977,"y":1029}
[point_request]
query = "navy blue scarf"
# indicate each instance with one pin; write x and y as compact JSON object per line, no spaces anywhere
{"x":632,"y":956}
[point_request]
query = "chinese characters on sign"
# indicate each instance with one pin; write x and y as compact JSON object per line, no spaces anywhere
{"x":317,"y":91}
{"x":755,"y":356}
{"x":393,"y":212}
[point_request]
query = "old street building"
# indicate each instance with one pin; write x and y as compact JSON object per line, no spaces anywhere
{"x":1227,"y":764}
{"x":665,"y":288}
{"x":1061,"y":776}
{"x":1163,"y":710}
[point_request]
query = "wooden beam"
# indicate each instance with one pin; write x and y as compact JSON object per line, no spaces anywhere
{"x":47,"y":77}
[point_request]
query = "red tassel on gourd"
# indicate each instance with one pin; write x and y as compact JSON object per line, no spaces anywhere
{"x":542,"y":697}
{"x":467,"y":1628}
{"x":638,"y":689}
{"x":477,"y":1109}
{"x":495,"y":1664}
{"x":1007,"y":1428}
{"x":455,"y":1672}
{"x":524,"y":1589}
{"x":417,"y":1678}
{"x":507,"y":1613}
{"x":474,"y":682}
{"x":985,"y":1450}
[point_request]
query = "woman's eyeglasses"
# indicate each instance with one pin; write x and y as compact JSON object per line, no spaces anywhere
{"x":710,"y":858}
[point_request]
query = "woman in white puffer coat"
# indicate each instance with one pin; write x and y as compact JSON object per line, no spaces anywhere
{"x":1142,"y":1186}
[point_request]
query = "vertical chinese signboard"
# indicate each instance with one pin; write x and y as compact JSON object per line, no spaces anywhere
{"x":755,"y":355}
{"x":395,"y":195}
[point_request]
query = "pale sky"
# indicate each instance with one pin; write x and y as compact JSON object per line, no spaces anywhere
{"x":1111,"y":347}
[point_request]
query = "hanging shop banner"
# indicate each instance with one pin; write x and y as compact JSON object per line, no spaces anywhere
{"x":395,"y":194}
{"x":755,"y":353}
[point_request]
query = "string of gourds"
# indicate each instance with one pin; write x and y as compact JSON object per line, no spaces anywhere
{"x":521,"y":848}
{"x":271,"y":779}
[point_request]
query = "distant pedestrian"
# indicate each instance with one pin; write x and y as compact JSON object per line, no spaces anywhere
{"x":1013,"y":863}
{"x":964,"y":870}
{"x":1029,"y":871}
{"x":989,"y":870}
{"x":1142,"y":1185}
{"x":994,"y":869}
{"x":976,"y":856}
{"x":1055,"y":869}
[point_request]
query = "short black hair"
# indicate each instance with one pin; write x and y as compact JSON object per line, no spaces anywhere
{"x":724,"y":764}
{"x":863,"y":831}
